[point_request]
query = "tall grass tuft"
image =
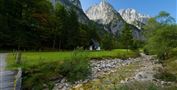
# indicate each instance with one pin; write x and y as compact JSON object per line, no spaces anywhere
{"x":77,"y":67}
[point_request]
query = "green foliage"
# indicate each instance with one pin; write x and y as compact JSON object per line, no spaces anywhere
{"x":150,"y":27}
{"x":46,"y":71}
{"x":22,"y":22}
{"x":76,"y":68}
{"x":126,"y":39}
{"x":59,"y":24}
{"x":163,"y":41}
{"x":86,"y":33}
{"x":36,"y":25}
{"x":157,"y":22}
{"x":161,"y":35}
{"x":109,"y":42}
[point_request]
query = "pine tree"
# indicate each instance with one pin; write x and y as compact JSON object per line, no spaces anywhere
{"x":59,"y":32}
{"x":73,"y":30}
{"x":126,"y":37}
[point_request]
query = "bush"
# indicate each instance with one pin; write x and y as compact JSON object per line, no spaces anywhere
{"x":34,"y":78}
{"x":146,"y":51}
{"x":76,"y":68}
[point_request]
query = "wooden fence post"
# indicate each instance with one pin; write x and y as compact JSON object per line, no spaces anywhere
{"x":18,"y":57}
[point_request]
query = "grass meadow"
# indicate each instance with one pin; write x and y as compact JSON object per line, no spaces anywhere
{"x":29,"y":59}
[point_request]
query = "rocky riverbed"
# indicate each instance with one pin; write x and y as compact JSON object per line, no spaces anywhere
{"x":109,"y":71}
{"x":146,"y":73}
{"x":99,"y":68}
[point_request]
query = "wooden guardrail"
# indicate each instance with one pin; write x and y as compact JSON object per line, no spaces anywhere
{"x":18,"y":80}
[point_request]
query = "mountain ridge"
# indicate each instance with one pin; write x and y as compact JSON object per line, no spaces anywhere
{"x":104,"y":13}
{"x":76,"y":5}
{"x":134,"y":17}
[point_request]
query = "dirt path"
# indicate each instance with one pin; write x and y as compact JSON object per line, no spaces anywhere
{"x":6,"y":77}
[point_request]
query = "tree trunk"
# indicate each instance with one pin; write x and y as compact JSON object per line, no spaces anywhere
{"x":59,"y":45}
{"x":54,"y":44}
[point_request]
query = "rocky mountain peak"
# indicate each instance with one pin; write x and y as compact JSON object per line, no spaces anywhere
{"x":133,"y":17}
{"x":103,"y":12}
{"x":105,"y":3}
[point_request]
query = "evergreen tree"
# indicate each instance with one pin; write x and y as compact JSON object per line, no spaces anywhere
{"x":108,"y":42}
{"x":60,"y":29}
{"x":23,"y":20}
{"x":34,"y":24}
{"x":126,"y":38}
{"x":73,"y":30}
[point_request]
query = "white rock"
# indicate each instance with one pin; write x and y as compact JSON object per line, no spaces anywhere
{"x":133,"y":17}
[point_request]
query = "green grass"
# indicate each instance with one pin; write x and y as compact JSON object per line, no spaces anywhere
{"x":41,"y":68}
{"x":30,"y":59}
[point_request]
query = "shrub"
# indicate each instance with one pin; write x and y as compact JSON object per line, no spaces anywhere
{"x":76,"y":68}
{"x":34,"y":78}
{"x":146,"y":51}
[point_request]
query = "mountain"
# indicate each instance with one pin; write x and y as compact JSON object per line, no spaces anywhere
{"x":103,"y":13}
{"x":76,"y":5}
{"x":133,"y":17}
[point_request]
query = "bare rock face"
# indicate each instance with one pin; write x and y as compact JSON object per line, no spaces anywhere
{"x":103,"y":13}
{"x":133,"y":17}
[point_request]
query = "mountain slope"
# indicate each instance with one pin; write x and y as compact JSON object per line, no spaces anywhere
{"x":133,"y":17}
{"x":76,"y":5}
{"x":103,"y":13}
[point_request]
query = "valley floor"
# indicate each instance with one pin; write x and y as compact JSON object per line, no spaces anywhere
{"x":107,"y":74}
{"x":30,"y":59}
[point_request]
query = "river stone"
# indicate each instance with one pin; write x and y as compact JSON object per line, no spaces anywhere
{"x":144,"y":76}
{"x":63,"y":80}
{"x":78,"y":87}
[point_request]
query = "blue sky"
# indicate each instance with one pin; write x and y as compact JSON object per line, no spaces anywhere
{"x":149,"y":7}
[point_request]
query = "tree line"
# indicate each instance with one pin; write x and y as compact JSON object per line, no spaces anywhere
{"x":37,"y":25}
